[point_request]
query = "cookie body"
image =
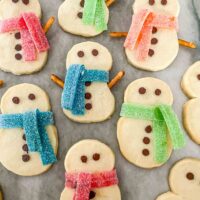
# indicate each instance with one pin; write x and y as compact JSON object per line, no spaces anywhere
{"x":70,"y":18}
{"x":15,"y":155}
{"x":11,"y":52}
{"x":162,"y":52}
{"x":74,"y":162}
{"x":135,"y":136}
{"x":184,"y":181}
{"x":100,"y":103}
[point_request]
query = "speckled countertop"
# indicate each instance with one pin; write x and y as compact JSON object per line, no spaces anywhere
{"x":135,"y":183}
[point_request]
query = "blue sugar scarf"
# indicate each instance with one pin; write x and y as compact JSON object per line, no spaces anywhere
{"x":73,"y":96}
{"x":34,"y":124}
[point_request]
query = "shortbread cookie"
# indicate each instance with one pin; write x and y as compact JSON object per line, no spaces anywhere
{"x":90,"y":172}
{"x":148,"y":129}
{"x":191,"y":110}
{"x":86,"y":96}
{"x":28,"y":138}
{"x":184,"y":181}
{"x":79,"y":16}
{"x":23,"y":44}
{"x":152,"y":42}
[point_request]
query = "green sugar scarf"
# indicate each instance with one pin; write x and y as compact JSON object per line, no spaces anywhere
{"x":94,"y":14}
{"x":164,"y":121}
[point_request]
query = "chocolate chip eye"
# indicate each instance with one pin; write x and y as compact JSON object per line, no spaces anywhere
{"x":142,"y":90}
{"x":95,"y":52}
{"x":84,"y":159}
{"x":158,"y":92}
{"x":80,"y":54}
{"x":15,"y":1}
{"x":96,"y":156}
{"x":31,"y":96}
{"x":190,"y":176}
{"x":15,"y":100}
{"x":82,"y":3}
{"x":151,"y":2}
{"x":164,"y":2}
{"x":198,"y":77}
{"x":26,"y":2}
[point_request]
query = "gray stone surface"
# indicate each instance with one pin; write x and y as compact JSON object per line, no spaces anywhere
{"x":135,"y":183}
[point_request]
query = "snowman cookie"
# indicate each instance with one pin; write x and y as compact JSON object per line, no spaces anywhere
{"x":28,"y":137}
{"x":83,"y":17}
{"x":184,"y":181}
{"x":191,"y":110}
{"x":90,"y":172}
{"x":23,"y":44}
{"x":152,"y":42}
{"x":86,"y":96}
{"x":148,"y":129}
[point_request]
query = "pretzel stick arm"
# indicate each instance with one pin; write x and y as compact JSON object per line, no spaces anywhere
{"x":109,"y":2}
{"x":57,"y":80}
{"x":48,"y":24}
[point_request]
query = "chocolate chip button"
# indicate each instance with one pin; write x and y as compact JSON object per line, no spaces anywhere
{"x":88,"y":106}
{"x":158,"y":92}
{"x":80,"y":54}
{"x":88,"y":83}
{"x":26,"y":158}
{"x":26,"y":2}
{"x":190,"y":176}
{"x":151,"y":2}
{"x":15,"y":100}
{"x":142,"y":90}
{"x":198,"y":76}
{"x":92,"y":195}
{"x":88,"y":95}
{"x":96,"y":156}
{"x":154,"y":30}
{"x":25,"y":148}
{"x":95,"y":52}
{"x":31,"y":96}
{"x":164,"y":2}
{"x":84,"y":159}
{"x":151,"y":52}
{"x":18,"y":35}
{"x":148,"y":129}
{"x":18,"y":47}
{"x":15,"y":1}
{"x":146,"y":140}
{"x":18,"y":56}
{"x":80,"y":15}
{"x":145,"y":152}
{"x":24,"y":137}
{"x":82,"y":3}
{"x":154,"y":41}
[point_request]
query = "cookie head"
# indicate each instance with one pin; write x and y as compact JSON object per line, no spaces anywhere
{"x":13,"y":8}
{"x":89,"y":156}
{"x":185,"y":179}
{"x":166,"y":7}
{"x":23,"y":98}
{"x":90,"y":54}
{"x":148,"y":91}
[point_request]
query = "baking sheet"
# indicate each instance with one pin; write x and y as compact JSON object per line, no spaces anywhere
{"x":135,"y":183}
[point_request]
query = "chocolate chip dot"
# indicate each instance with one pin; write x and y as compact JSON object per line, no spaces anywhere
{"x":145,"y":152}
{"x":84,"y":159}
{"x":25,"y":148}
{"x":148,"y":129}
{"x":80,"y":15}
{"x":92,"y":195}
{"x":158,"y":92}
{"x":154,"y":41}
{"x":15,"y":100}
{"x":26,"y":158}
{"x":82,"y":3}
{"x":151,"y":2}
{"x":18,"y":35}
{"x":18,"y":56}
{"x":151,"y":52}
{"x":95,"y":52}
{"x":31,"y":96}
{"x":24,"y":137}
{"x":15,"y":1}
{"x":80,"y":54}
{"x":88,"y":106}
{"x":26,"y":2}
{"x":96,"y":156}
{"x":88,"y":95}
{"x":142,"y":90}
{"x":198,"y":76}
{"x":164,"y":2}
{"x":18,"y":47}
{"x":88,"y":83}
{"x":146,"y":140}
{"x":190,"y":176}
{"x":154,"y":30}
